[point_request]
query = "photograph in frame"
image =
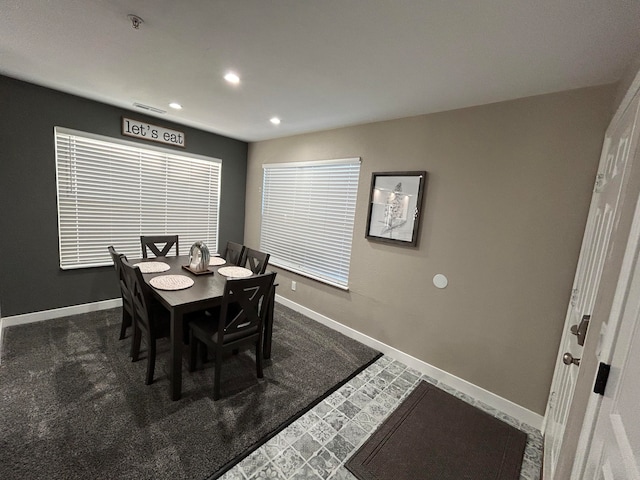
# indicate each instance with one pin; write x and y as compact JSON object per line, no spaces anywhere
{"x":395,"y":203}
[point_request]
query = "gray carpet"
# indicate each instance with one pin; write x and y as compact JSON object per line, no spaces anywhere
{"x":73,"y":405}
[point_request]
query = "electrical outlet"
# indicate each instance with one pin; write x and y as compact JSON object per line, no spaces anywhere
{"x":293,"y":285}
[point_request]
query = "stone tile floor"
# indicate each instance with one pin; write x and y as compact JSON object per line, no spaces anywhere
{"x":317,"y":445}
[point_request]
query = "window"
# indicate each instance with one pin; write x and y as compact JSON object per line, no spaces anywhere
{"x":307,"y":217}
{"x":111,"y":191}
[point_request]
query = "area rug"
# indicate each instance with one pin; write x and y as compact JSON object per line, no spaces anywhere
{"x":74,"y":406}
{"x":434,"y":435}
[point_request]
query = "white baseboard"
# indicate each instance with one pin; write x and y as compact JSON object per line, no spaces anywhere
{"x":59,"y":312}
{"x":55,"y":313}
{"x":502,"y":404}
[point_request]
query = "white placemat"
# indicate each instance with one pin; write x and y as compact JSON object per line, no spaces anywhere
{"x":235,"y":272}
{"x":217,"y":261}
{"x":152,"y":267}
{"x":171,"y":282}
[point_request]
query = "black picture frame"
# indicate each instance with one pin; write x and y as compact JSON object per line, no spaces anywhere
{"x":395,"y":207}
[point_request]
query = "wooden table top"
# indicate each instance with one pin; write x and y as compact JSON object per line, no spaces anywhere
{"x":206,"y":288}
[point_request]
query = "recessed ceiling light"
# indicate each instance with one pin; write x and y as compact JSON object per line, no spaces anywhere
{"x":232,"y":78}
{"x":275,"y":121}
{"x":175,"y":105}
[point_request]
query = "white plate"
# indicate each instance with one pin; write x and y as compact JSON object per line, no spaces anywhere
{"x":217,"y":261}
{"x":235,"y":272}
{"x":171,"y":282}
{"x":152,"y":267}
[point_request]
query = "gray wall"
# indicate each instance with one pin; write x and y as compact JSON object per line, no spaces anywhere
{"x":30,"y":277}
{"x":504,"y":214}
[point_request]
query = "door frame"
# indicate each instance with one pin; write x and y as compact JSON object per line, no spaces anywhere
{"x":609,"y":336}
{"x":629,"y":271}
{"x":570,"y":455}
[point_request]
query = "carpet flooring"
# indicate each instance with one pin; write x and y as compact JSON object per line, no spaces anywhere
{"x":73,"y":405}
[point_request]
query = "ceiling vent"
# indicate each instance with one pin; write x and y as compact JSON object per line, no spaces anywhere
{"x":148,"y":108}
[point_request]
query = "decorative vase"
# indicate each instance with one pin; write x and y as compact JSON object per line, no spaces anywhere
{"x":199,"y":257}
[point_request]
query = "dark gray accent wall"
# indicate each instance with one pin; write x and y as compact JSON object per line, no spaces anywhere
{"x":30,"y":277}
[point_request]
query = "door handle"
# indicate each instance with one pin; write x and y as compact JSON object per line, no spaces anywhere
{"x":580,"y":330}
{"x":569,"y":359}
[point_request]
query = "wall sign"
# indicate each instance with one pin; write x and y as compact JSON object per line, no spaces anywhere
{"x":147,"y":131}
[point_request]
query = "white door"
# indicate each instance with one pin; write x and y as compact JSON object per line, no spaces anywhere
{"x":601,"y":222}
{"x":611,"y":432}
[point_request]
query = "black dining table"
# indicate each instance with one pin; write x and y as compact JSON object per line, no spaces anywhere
{"x":205,"y":293}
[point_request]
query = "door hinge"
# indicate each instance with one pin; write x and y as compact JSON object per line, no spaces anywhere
{"x":574,"y":297}
{"x":599,"y":182}
{"x":601,"y":378}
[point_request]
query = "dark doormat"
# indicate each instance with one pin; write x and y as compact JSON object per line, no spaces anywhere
{"x":434,"y":435}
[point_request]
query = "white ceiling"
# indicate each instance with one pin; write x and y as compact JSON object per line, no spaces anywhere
{"x":316,"y":64}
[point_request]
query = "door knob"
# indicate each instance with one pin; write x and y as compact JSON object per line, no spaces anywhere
{"x":568,"y":359}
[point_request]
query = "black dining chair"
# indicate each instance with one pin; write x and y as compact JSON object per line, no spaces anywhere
{"x":151,"y":242}
{"x":255,"y":260}
{"x":239,"y":323}
{"x":150,"y":322}
{"x":234,"y":253}
{"x":127,"y":306}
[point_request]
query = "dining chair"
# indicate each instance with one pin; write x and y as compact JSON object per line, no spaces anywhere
{"x":234,"y":253}
{"x":127,"y":307}
{"x":150,"y":242}
{"x":152,"y":323}
{"x":239,"y":323}
{"x":255,"y":260}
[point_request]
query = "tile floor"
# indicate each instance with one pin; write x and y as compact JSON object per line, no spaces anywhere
{"x":318,"y":444}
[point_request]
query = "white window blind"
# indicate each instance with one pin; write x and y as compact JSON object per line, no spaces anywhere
{"x":308,"y":210}
{"x":111,"y":191}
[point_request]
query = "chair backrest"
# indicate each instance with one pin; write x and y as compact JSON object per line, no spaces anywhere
{"x":244,"y":307}
{"x":124,"y":289}
{"x":115,"y":256}
{"x":151,"y":241}
{"x":140,"y":295}
{"x":255,"y":260}
{"x":234,"y":253}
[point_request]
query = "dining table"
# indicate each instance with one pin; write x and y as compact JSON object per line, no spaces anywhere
{"x":205,"y":293}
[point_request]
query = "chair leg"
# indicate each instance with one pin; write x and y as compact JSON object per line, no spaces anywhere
{"x":151,"y":361}
{"x":216,"y":378}
{"x":193,"y":354}
{"x":126,"y":321}
{"x":135,"y":343}
{"x":259,"y":357}
{"x":268,"y":325}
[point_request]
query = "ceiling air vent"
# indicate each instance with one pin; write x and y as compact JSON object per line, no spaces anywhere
{"x":148,"y":108}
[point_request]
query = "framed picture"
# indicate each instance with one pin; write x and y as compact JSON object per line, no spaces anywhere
{"x":395,"y":204}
